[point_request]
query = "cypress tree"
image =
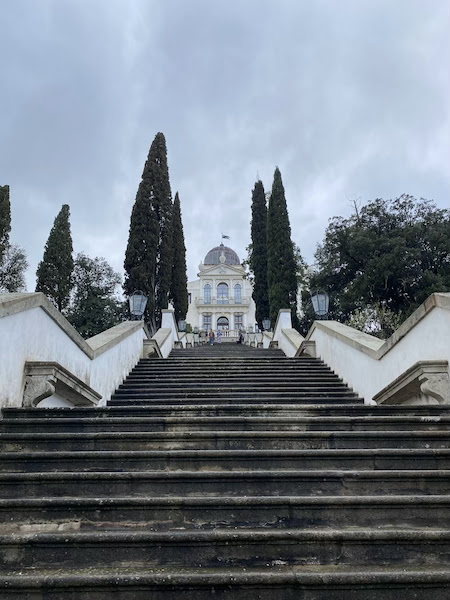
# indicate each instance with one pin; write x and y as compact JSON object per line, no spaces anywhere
{"x":148,"y":257}
{"x":281,"y":266}
{"x":5,"y":219}
{"x":178,"y":293}
{"x":54,"y":272}
{"x":258,"y":259}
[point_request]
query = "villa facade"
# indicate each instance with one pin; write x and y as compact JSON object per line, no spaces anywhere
{"x":221,"y":299}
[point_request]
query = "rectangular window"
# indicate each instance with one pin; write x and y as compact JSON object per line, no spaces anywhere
{"x":238,"y":321}
{"x":206,"y":321}
{"x":189,"y":298}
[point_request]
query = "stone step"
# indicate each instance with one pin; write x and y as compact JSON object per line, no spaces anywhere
{"x":142,"y":399}
{"x":214,"y":460}
{"x":161,"y":378}
{"x":332,"y":391}
{"x":278,"y":582}
{"x":169,"y":401}
{"x":47,"y":514}
{"x":228,"y":483}
{"x":213,"y":410}
{"x":232,"y":423}
{"x":233,"y":548}
{"x":212,"y":387}
{"x":222,"y":440}
{"x":267,"y":368}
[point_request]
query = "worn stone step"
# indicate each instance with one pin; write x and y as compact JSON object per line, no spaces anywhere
{"x":328,"y":381}
{"x":206,"y":410}
{"x":232,"y":483}
{"x":233,"y":548}
{"x":46,"y":514}
{"x":210,"y":460}
{"x":233,"y":390}
{"x":212,"y":387}
{"x":223,"y":440}
{"x":222,"y":371}
{"x":232,"y":423}
{"x":120,"y":399}
{"x":278,"y":582}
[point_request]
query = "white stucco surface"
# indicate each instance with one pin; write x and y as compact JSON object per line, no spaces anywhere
{"x":368,"y":364}
{"x":31,"y":329}
{"x":288,"y":338}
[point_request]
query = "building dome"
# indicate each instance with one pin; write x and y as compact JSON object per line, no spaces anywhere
{"x":213,"y":256}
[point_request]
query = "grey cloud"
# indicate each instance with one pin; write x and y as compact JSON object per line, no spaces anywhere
{"x":347,"y":98}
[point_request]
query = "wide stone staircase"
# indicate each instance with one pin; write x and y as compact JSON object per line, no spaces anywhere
{"x":226,"y":472}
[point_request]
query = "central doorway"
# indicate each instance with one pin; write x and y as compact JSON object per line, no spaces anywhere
{"x":223,"y":324}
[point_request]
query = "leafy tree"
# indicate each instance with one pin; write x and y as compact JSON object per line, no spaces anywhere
{"x":54,"y":272}
{"x":5,"y":218}
{"x":281,"y":266}
{"x":258,"y":253}
{"x":392,"y":253}
{"x":148,"y":257}
{"x":377,"y":320}
{"x":178,"y":293}
{"x":12,"y":269}
{"x":94,"y":304}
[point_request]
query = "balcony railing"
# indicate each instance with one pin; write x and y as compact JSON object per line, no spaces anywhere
{"x":229,"y":301}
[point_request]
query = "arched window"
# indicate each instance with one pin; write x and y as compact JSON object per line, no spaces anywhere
{"x":238,"y":293}
{"x":207,"y":294}
{"x":222,"y":293}
{"x":222,"y":324}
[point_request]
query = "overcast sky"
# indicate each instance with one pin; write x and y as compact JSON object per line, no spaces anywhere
{"x":350,"y":98}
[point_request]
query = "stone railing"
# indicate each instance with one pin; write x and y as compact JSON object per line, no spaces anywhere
{"x":40,"y":350}
{"x":230,"y":301}
{"x":409,"y":367}
{"x":377,"y":369}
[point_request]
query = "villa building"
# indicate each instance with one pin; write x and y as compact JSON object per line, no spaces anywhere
{"x":221,"y":299}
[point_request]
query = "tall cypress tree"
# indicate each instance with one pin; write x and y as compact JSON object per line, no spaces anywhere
{"x":281,"y":266}
{"x":5,"y":219}
{"x":178,"y":294}
{"x":54,"y":272}
{"x":258,"y":259}
{"x":148,"y":257}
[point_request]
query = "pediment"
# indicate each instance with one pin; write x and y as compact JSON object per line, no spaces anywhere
{"x":222,"y":270}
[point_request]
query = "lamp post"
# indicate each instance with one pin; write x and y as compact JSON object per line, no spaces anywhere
{"x":138,"y":302}
{"x":320,"y":301}
{"x":266,"y":324}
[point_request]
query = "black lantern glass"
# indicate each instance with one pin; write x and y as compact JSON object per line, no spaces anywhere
{"x":138,"y":302}
{"x":320,"y":301}
{"x":266,"y":324}
{"x":181,"y":325}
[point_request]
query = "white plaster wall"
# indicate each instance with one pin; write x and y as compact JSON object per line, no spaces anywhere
{"x":110,"y":368}
{"x":167,"y":346}
{"x":429,"y":339}
{"x":195,"y":288}
{"x":32,"y":335}
{"x":284,"y":321}
{"x":267,"y":338}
